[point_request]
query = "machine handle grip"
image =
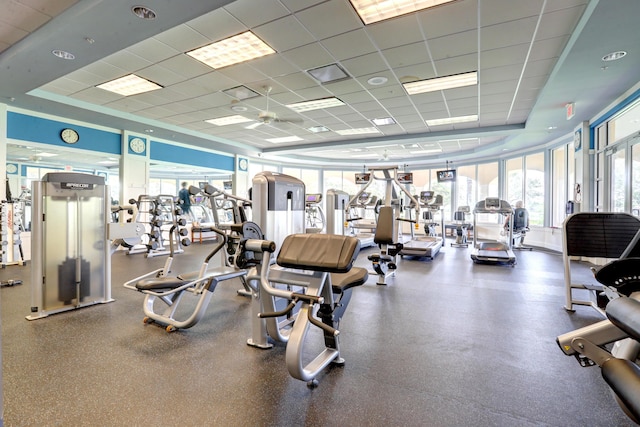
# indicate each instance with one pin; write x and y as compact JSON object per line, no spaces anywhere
{"x":412,"y":221}
{"x":282,"y":312}
{"x":323,"y":326}
{"x":352,"y":219}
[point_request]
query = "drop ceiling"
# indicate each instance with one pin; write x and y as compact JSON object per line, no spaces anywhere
{"x":532,"y":57}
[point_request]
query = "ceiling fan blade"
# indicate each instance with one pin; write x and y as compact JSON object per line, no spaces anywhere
{"x":289,"y":120}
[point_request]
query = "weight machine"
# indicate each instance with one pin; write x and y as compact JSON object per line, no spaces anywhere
{"x":387,"y":232}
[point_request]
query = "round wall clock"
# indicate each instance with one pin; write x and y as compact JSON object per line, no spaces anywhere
{"x":70,"y":136}
{"x":137,"y":145}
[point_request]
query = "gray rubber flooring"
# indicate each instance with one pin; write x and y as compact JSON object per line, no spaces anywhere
{"x":445,"y":343}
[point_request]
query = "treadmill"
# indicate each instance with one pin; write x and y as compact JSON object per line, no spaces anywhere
{"x":493,"y":252}
{"x":424,"y":246}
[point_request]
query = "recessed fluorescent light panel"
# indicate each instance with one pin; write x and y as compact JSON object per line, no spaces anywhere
{"x":442,"y":83}
{"x":241,"y":93}
{"x":284,"y":139}
{"x":233,"y":50}
{"x":129,"y":85}
{"x":357,"y":131}
{"x":451,"y":120}
{"x":371,"y":11}
{"x":328,"y":73}
{"x":228,"y":120}
{"x":384,"y":121}
{"x":316,"y":104}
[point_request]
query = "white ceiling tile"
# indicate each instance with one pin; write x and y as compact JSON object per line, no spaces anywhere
{"x":153,"y":50}
{"x":284,"y":34}
{"x":453,"y":45}
{"x":242,"y":73}
{"x":349,"y":45}
{"x":520,"y":32}
{"x":217,"y":25}
{"x":252,"y":16}
{"x":185,"y":66}
{"x":415,"y":53}
{"x":307,"y":57}
{"x":296,"y":81}
{"x":183,"y":38}
{"x":549,"y":48}
{"x":395,"y":32}
{"x":364,"y":65}
{"x":127,"y":61}
{"x":10,"y":34}
{"x":329,"y":19}
{"x":160,"y":75}
{"x":499,"y":11}
{"x":22,"y":17}
{"x":49,"y":7}
{"x":451,"y":18}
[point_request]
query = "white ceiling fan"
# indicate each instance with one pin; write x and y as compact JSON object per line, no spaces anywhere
{"x":267,"y":117}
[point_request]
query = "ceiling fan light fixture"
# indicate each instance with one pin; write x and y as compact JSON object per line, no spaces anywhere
{"x":371,"y":11}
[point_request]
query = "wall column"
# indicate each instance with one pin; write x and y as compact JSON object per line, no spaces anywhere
{"x":134,"y":167}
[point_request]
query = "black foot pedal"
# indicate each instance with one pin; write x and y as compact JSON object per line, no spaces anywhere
{"x":584,"y":361}
{"x":392,"y":266}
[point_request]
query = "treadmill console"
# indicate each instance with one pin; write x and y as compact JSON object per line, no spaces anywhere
{"x":426,"y":196}
{"x":492,"y":203}
{"x":363,"y":198}
{"x":312,"y":199}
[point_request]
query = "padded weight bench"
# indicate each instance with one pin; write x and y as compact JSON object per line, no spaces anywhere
{"x":322,"y":266}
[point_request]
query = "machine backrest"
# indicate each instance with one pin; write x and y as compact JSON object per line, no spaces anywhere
{"x":319,"y":252}
{"x":520,"y":218}
{"x":458,"y":216}
{"x":384,"y":227}
{"x":426,"y":215}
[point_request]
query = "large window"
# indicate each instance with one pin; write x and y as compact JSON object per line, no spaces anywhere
{"x":534,"y":197}
{"x":488,"y":186}
{"x":514,"y":179}
{"x":466,"y":187}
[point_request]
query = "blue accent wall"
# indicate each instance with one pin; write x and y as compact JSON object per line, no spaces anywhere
{"x":187,"y":156}
{"x":45,"y":131}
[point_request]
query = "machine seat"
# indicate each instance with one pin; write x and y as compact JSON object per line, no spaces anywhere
{"x":319,"y":252}
{"x":160,"y":283}
{"x":340,"y":282}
